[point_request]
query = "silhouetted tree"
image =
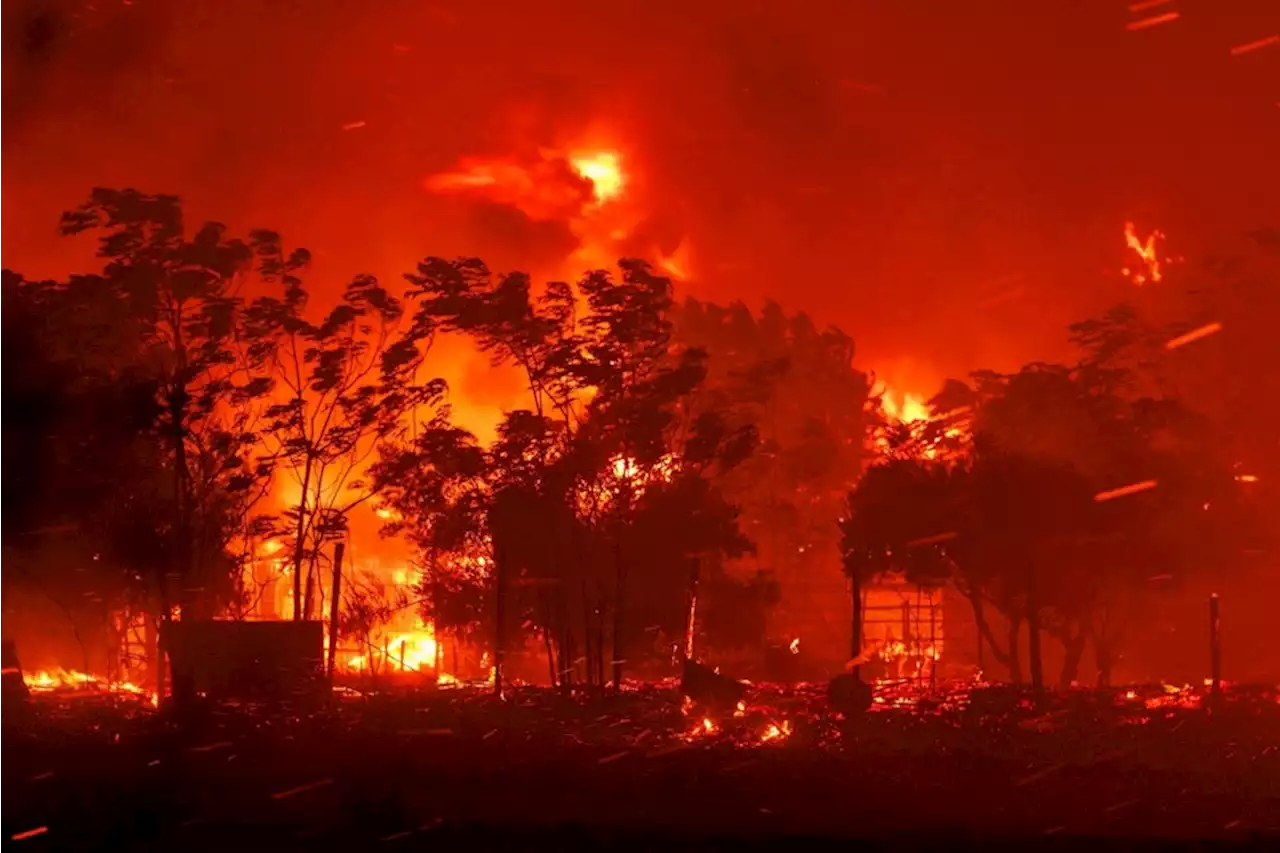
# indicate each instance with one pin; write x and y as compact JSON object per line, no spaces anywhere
{"x":346,"y":383}
{"x":567,"y":483}
{"x":798,"y":386}
{"x":182,"y":294}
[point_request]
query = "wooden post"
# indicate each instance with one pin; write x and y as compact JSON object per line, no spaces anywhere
{"x":855,"y":640}
{"x":1215,"y":644}
{"x":500,"y":624}
{"x":335,"y":596}
{"x":692,"y":622}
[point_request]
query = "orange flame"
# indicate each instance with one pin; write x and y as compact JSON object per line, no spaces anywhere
{"x":1146,"y":252}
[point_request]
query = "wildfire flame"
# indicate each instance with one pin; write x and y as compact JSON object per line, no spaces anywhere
{"x":912,"y":410}
{"x":44,"y":681}
{"x":1146,"y":252}
{"x":907,"y":409}
{"x":604,"y":171}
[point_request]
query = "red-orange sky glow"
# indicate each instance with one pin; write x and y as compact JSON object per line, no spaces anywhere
{"x":947,"y":182}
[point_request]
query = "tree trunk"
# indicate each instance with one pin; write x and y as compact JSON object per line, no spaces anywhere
{"x":183,"y":689}
{"x":567,"y":651}
{"x":1102,"y":658}
{"x":588,"y":636}
{"x":1074,"y":645}
{"x":855,"y":636}
{"x":600,"y":609}
{"x":500,"y":626}
{"x":334,"y":599}
{"x":1033,"y":643}
{"x":309,"y":595}
{"x":300,"y":541}
{"x":619,"y":598}
{"x":985,"y":636}
{"x":1015,"y":651}
{"x":551,"y":658}
{"x":547,"y":629}
{"x":691,"y":622}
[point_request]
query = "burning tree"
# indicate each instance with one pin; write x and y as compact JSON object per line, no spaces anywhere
{"x":1073,"y":493}
{"x":346,"y":382}
{"x":567,"y":486}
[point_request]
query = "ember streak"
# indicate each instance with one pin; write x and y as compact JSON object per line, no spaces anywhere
{"x":691,"y":410}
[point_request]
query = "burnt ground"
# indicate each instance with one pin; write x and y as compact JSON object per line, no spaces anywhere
{"x":541,"y":771}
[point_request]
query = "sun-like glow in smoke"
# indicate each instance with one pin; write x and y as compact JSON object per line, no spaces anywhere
{"x":587,"y":187}
{"x":604,"y":170}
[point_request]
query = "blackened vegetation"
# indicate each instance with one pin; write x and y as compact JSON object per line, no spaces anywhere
{"x":680,"y":473}
{"x":1075,"y":495}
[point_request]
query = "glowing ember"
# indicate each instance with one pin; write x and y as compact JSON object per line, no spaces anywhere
{"x":1194,"y":335}
{"x":776,"y":732}
{"x":1255,"y":45}
{"x":795,"y":646}
{"x":932,"y":540}
{"x":1131,"y":489}
{"x":1146,"y":252}
{"x":1154,"y":20}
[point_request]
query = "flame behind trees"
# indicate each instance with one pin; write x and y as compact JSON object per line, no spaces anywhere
{"x":343,"y":384}
{"x":595,"y":503}
{"x":798,"y":384}
{"x":182,"y":297}
{"x":1026,"y":532}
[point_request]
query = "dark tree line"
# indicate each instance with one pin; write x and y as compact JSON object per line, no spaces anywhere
{"x":1074,"y":493}
{"x":678,"y":476}
{"x":161,"y":403}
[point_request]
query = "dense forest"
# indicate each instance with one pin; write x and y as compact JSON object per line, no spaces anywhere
{"x":670,"y":451}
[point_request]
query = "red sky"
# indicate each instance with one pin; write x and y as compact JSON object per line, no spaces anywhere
{"x":946,"y":181}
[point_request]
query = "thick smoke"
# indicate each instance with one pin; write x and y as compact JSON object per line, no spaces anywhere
{"x":880,"y":165}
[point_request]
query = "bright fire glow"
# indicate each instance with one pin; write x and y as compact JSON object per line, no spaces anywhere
{"x":912,"y":411}
{"x":398,"y":651}
{"x":907,"y":408}
{"x":1146,"y":252}
{"x":604,"y":170}
{"x":44,"y":681}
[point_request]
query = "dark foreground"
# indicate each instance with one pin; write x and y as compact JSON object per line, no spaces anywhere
{"x":637,"y":772}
